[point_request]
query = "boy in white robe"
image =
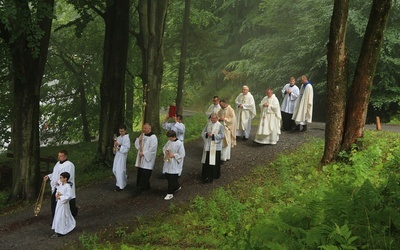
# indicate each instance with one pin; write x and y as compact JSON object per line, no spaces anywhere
{"x":174,"y":153}
{"x":146,"y":144}
{"x":122,"y":144}
{"x":63,"y":221}
{"x":269,"y":128}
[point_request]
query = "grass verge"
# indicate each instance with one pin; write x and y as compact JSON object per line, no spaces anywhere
{"x":290,"y":204}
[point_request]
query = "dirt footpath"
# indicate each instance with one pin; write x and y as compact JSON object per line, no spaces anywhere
{"x":101,"y":208}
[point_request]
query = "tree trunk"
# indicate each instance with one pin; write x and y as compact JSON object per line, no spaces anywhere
{"x":365,"y":71}
{"x":112,"y":87}
{"x":336,"y":82}
{"x":28,"y":65}
{"x":152,"y":15}
{"x":182,"y":60}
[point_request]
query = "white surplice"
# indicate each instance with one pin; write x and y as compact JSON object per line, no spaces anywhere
{"x":212,"y":109}
{"x":178,"y":127}
{"x":119,"y":166}
{"x":174,"y":165}
{"x":212,"y":143}
{"x":59,"y":168}
{"x":63,"y":221}
{"x":304,"y":105}
{"x":149,"y":149}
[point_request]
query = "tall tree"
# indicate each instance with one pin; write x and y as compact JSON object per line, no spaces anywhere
{"x":152,"y":16}
{"x":25,"y":27}
{"x":182,"y":59}
{"x":356,"y":112}
{"x":356,"y":109}
{"x":336,"y":81}
{"x":112,"y":88}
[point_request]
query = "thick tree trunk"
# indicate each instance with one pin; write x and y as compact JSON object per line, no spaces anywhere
{"x":362,"y":82}
{"x":28,"y":67}
{"x":152,"y":15}
{"x":336,"y":82}
{"x":182,"y":60}
{"x":112,"y":88}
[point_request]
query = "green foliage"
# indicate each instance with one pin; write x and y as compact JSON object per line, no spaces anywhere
{"x":89,"y":241}
{"x":72,"y":79}
{"x":194,"y":126}
{"x":291,"y":205}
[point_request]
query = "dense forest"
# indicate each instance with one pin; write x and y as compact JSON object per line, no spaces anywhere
{"x":74,"y":70}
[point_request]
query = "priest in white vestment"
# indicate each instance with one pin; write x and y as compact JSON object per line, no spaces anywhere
{"x":290,"y":93}
{"x":212,"y":134}
{"x":213,"y":108}
{"x":63,"y":221}
{"x":227,"y":118}
{"x":304,"y":105}
{"x":174,"y":153}
{"x":63,"y":165}
{"x":146,"y":144}
{"x":245,"y":112}
{"x":122,"y":144}
{"x":269,"y":128}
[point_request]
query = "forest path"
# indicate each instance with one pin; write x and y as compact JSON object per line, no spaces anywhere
{"x":102,"y":209}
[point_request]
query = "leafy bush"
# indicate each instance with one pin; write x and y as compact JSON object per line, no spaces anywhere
{"x":294,"y":204}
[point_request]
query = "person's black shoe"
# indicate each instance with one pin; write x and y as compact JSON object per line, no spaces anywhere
{"x":304,"y":129}
{"x":117,"y":189}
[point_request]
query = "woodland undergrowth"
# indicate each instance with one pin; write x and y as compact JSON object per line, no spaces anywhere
{"x":293,"y":203}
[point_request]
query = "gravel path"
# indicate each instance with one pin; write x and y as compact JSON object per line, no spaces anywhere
{"x":101,"y":208}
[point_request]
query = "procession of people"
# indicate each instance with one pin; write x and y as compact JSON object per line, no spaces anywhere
{"x":224,"y":126}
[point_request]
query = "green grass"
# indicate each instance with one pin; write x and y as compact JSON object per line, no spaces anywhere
{"x":289,"y":204}
{"x":395,"y":120}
